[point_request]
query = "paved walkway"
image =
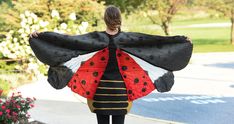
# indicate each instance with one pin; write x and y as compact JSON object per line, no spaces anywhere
{"x":63,"y":106}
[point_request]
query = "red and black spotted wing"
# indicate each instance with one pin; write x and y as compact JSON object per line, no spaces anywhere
{"x":88,"y":74}
{"x":152,"y":61}
{"x":141,"y":77}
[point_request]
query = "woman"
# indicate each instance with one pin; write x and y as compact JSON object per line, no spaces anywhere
{"x":116,"y":84}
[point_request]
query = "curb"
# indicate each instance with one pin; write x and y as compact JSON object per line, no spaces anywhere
{"x":155,"y":119}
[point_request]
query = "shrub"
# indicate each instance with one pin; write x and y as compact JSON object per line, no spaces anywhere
{"x":4,"y":88}
{"x":16,"y":45}
{"x":15,"y":109}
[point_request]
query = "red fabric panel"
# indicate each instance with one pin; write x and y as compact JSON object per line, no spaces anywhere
{"x":86,"y":79}
{"x":137,"y":82}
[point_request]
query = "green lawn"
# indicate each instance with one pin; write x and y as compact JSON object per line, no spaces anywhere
{"x":213,"y":48}
{"x":204,"y":36}
{"x":199,"y":21}
{"x":212,"y":39}
{"x":208,"y":39}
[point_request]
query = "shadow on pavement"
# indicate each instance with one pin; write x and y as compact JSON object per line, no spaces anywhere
{"x":222,"y":65}
{"x":192,"y":109}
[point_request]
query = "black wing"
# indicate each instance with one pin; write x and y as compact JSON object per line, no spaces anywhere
{"x":53,"y":48}
{"x":168,"y":52}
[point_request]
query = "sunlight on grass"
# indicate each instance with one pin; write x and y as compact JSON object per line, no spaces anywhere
{"x":215,"y":39}
{"x":213,"y":48}
{"x":202,"y":36}
{"x":199,"y":21}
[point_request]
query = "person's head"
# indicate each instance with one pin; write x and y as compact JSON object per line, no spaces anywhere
{"x":112,"y":18}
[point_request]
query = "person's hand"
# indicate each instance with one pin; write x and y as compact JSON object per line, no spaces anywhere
{"x":188,"y":39}
{"x":34,"y":34}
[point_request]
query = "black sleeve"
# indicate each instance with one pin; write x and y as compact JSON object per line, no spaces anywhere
{"x":165,"y":82}
{"x":59,"y":76}
{"x":169,"y":52}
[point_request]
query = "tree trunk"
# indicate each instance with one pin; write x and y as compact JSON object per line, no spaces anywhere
{"x":48,"y":4}
{"x":232,"y":31}
{"x":165,"y":27}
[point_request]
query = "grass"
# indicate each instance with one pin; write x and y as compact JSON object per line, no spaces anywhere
{"x":213,"y":48}
{"x":205,"y":36}
{"x":212,"y":39}
{"x":208,"y":39}
{"x":199,"y":21}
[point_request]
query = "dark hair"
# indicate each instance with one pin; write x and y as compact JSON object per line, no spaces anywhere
{"x":112,"y":17}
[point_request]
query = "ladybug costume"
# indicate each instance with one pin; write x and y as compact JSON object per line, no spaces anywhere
{"x":112,"y":71}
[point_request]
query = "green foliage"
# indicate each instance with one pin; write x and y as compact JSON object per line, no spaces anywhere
{"x":161,"y":12}
{"x":9,"y":2}
{"x":7,"y":67}
{"x":8,"y":18}
{"x":223,"y":6}
{"x":88,"y":10}
{"x":16,"y":45}
{"x":15,"y":80}
{"x":127,"y":6}
{"x":5,"y":86}
{"x":1,"y":55}
{"x":22,"y":17}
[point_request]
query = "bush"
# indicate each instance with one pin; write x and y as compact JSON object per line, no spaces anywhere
{"x":7,"y":67}
{"x":15,"y":109}
{"x":85,"y":10}
{"x":64,"y":16}
{"x":16,"y":45}
{"x":5,"y":87}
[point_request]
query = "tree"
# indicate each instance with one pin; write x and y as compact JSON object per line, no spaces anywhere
{"x":161,"y":12}
{"x":6,"y":1}
{"x":127,"y":6}
{"x":8,"y":17}
{"x":226,"y":7}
